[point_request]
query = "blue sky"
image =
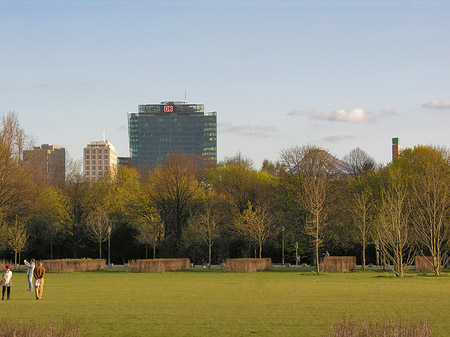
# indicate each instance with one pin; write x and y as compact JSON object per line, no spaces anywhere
{"x":337,"y":74}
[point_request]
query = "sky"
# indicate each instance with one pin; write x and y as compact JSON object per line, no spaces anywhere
{"x":284,"y":73}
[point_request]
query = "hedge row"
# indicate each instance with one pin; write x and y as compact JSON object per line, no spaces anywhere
{"x":72,"y":265}
{"x":157,"y":265}
{"x":340,"y":264}
{"x":424,"y":264}
{"x":247,"y":265}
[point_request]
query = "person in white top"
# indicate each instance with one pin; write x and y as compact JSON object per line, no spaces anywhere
{"x":6,"y":282}
{"x":30,"y":265}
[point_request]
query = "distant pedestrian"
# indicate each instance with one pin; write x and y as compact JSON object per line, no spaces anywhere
{"x":6,"y":283}
{"x":30,"y":271}
{"x":327,"y":254}
{"x":39,"y":273}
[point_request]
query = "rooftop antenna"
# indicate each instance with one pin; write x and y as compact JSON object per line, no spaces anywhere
{"x":104,"y":135}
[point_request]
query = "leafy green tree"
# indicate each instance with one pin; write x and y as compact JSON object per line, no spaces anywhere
{"x":257,"y":223}
{"x":428,"y":169}
{"x":176,"y":190}
{"x":239,"y":183}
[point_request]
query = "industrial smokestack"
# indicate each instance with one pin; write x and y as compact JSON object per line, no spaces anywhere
{"x":395,"y":148}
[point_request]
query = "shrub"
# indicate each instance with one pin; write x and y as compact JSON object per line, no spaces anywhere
{"x":72,"y":265}
{"x":389,"y":328}
{"x":340,"y":264}
{"x":247,"y":265}
{"x":424,"y":264}
{"x":34,"y":329}
{"x":157,"y":265}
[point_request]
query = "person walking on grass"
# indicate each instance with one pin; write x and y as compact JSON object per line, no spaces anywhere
{"x":39,"y":273}
{"x":6,"y":283}
{"x":30,"y":271}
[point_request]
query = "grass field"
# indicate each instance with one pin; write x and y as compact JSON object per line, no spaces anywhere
{"x":212,"y":303}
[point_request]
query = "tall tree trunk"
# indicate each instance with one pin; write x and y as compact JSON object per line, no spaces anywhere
{"x":364,"y":257}
{"x":154,"y":251}
{"x":100,"y":250}
{"x":260,"y":249}
{"x":317,"y":244}
{"x":364,"y":252}
{"x":209,"y":256}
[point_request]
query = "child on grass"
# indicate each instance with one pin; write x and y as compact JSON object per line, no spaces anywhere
{"x":6,"y":282}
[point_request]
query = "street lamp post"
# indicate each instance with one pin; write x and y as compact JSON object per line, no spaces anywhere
{"x":296,"y":254}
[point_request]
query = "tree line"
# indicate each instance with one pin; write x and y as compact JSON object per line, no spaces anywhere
{"x":301,"y":205}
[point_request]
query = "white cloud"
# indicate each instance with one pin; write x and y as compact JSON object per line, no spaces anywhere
{"x":353,"y":116}
{"x":388,"y":112}
{"x":436,"y":104}
{"x":246,"y":130}
{"x":338,"y":138}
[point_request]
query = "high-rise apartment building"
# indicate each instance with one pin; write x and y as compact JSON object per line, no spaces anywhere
{"x":50,"y":159}
{"x":99,"y":160}
{"x":159,"y":129}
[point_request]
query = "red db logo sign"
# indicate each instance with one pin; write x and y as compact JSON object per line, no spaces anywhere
{"x":168,"y":108}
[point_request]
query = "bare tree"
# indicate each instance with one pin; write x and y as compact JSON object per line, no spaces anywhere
{"x":151,"y":229}
{"x":98,"y":227}
{"x":315,"y":169}
{"x":361,"y":207}
{"x":15,"y":179}
{"x":206,"y":226}
{"x":359,"y":162}
{"x":17,"y":239}
{"x":257,"y":223}
{"x":431,"y":195}
{"x":394,"y":232}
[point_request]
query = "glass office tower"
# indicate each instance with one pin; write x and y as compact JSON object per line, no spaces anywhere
{"x":159,"y":129}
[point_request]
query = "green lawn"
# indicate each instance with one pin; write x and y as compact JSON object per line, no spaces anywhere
{"x":212,"y":303}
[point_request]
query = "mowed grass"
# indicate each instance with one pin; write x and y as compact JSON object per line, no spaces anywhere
{"x":213,"y":303}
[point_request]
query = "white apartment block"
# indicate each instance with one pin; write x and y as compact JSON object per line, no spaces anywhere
{"x":99,"y":161}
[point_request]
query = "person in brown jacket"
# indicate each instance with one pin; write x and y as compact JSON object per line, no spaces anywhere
{"x":39,"y":273}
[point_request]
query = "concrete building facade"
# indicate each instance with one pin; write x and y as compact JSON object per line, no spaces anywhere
{"x":49,"y":159}
{"x":99,"y":161}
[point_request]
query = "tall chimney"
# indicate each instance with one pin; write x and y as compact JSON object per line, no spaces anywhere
{"x":395,"y":148}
